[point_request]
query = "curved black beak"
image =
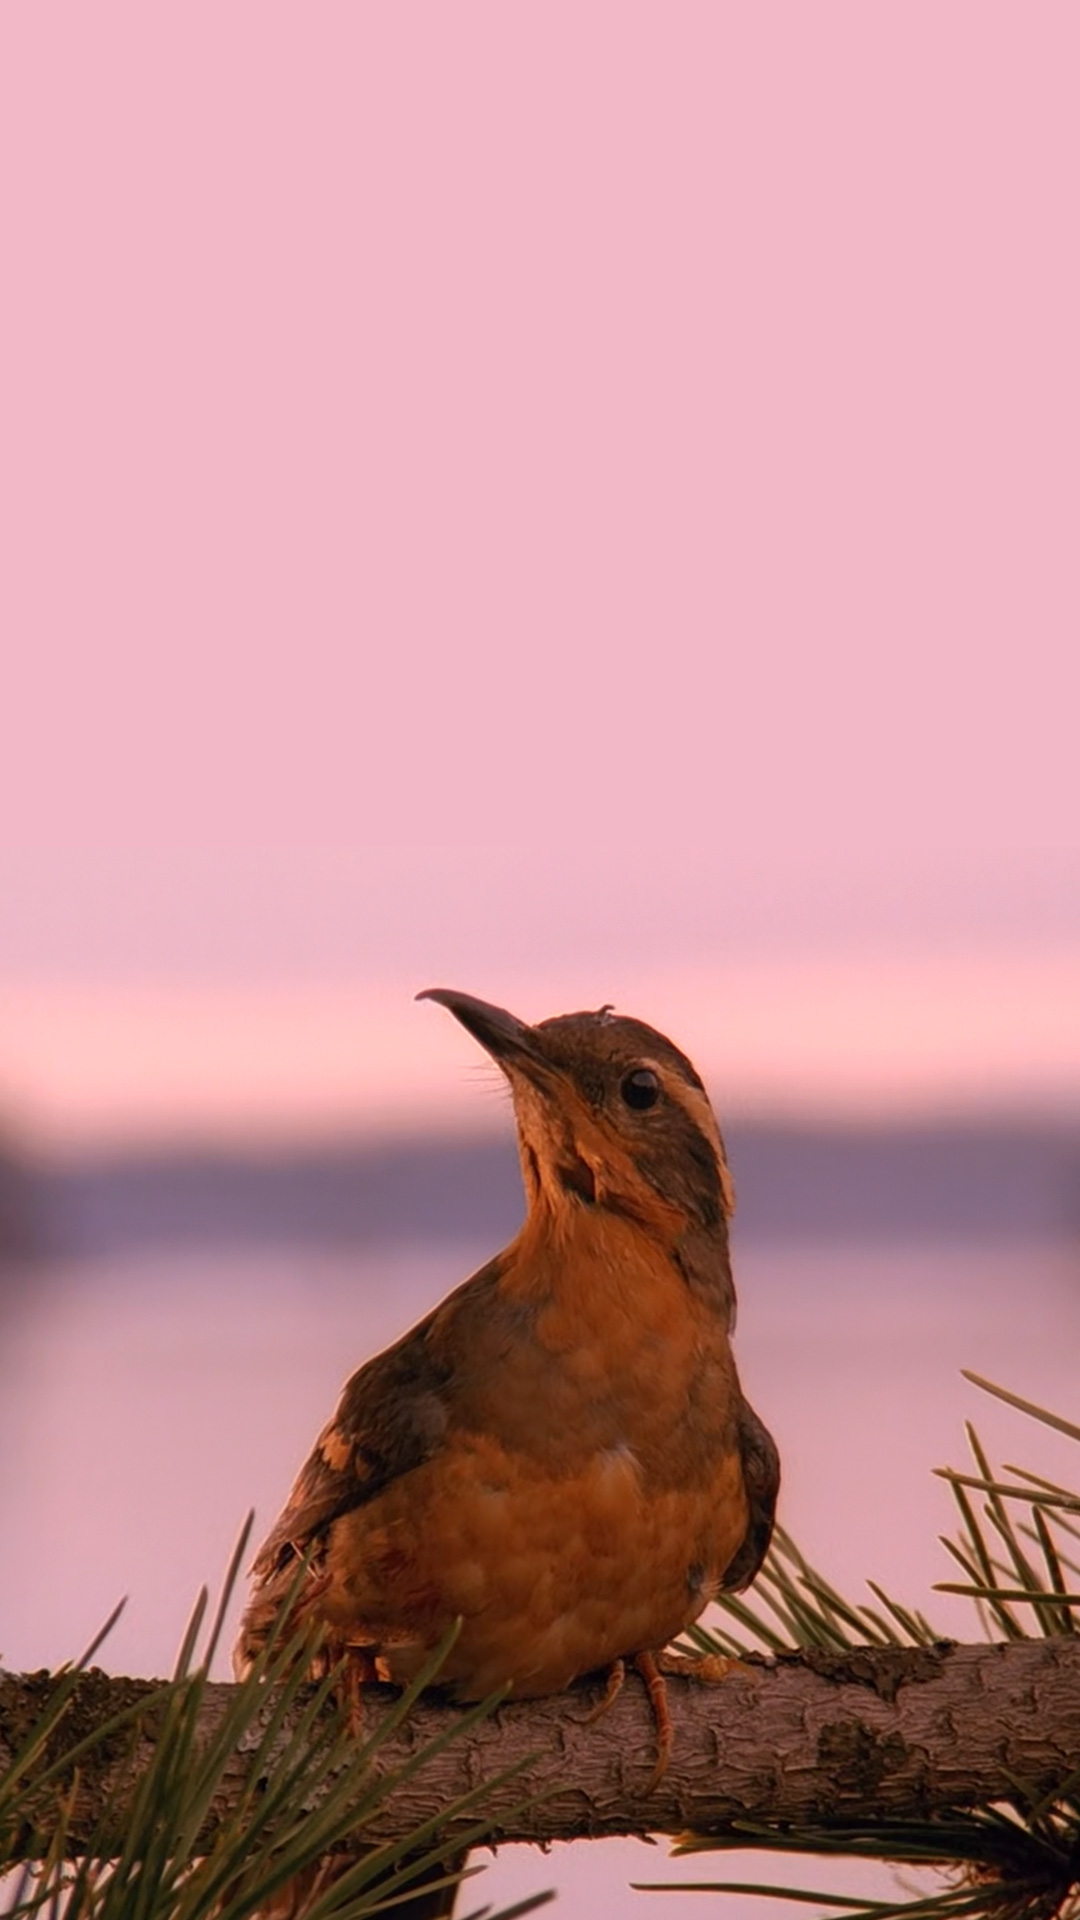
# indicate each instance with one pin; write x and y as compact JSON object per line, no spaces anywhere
{"x":502,"y":1034}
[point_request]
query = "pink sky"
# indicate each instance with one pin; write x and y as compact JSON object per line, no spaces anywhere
{"x":972,"y":1035}
{"x":497,"y":494}
{"x":575,"y":501}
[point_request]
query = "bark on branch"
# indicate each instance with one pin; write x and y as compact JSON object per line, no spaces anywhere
{"x":823,"y":1738}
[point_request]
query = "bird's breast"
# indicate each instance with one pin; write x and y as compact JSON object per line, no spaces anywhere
{"x":587,"y":1498}
{"x":550,"y":1576}
{"x":615,"y":1351}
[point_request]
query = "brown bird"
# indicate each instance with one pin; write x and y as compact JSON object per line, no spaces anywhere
{"x":560,"y":1455}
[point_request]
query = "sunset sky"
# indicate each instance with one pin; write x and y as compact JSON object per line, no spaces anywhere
{"x":573,"y":502}
{"x":576,"y":501}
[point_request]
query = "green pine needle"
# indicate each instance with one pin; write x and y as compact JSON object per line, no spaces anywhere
{"x":157,"y":1853}
{"x":1019,"y":1861}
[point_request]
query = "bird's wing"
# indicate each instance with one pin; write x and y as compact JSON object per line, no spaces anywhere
{"x":392,"y":1416}
{"x":761,"y":1477}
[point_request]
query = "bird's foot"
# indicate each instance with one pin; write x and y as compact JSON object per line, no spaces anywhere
{"x":648,"y":1666}
{"x":656,"y":1688}
{"x":616,"y":1674}
{"x":710,"y":1668}
{"x":359,"y":1669}
{"x":654,"y":1668}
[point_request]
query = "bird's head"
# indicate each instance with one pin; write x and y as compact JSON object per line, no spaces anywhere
{"x":610,"y":1114}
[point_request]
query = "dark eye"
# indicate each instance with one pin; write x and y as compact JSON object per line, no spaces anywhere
{"x":641,"y":1089}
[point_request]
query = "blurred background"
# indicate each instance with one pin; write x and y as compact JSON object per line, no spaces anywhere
{"x":576,"y":503}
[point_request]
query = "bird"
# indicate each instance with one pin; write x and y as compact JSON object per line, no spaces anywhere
{"x":560,"y":1456}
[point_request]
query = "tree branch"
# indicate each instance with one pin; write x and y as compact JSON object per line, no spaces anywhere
{"x":811,"y":1737}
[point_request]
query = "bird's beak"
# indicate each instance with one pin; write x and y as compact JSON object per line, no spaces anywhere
{"x":502,"y":1034}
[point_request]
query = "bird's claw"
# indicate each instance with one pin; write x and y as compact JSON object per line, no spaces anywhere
{"x":656,"y":1688}
{"x":709,"y":1668}
{"x":616,"y":1674}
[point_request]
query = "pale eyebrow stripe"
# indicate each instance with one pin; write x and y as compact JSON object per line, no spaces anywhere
{"x":696,"y":1105}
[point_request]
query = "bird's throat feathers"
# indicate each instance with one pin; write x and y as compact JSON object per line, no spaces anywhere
{"x":597,"y":1205}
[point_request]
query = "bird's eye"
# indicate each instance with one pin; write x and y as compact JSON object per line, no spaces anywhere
{"x":641,"y":1089}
